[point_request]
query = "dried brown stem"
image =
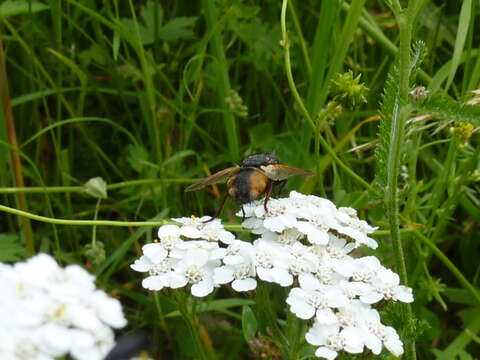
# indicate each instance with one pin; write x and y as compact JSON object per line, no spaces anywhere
{"x":15,"y":158}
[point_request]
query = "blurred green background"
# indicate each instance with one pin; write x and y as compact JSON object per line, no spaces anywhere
{"x":152,"y":95}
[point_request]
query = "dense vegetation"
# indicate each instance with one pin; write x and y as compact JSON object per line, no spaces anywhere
{"x":376,"y":97}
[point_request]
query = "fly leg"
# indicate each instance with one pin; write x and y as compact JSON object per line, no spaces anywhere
{"x":243,"y":213}
{"x":217,"y":214}
{"x":267,"y":194}
{"x":280,"y":186}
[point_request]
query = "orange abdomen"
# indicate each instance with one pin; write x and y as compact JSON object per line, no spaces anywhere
{"x":247,"y":185}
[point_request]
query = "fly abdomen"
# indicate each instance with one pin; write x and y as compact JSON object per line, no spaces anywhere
{"x":247,"y":185}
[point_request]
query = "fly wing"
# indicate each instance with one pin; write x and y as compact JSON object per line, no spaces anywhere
{"x":213,"y":179}
{"x":280,"y":172}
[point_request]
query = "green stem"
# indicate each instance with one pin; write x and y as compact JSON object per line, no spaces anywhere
{"x":94,"y":229}
{"x":98,"y":222}
{"x":189,"y":318}
{"x":82,"y":222}
{"x":161,"y":315}
{"x":81,"y":189}
{"x":399,"y":116}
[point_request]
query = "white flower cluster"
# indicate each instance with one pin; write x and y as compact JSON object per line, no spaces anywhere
{"x":47,"y":312}
{"x":304,"y":241}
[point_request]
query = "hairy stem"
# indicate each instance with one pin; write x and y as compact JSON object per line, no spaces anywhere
{"x":399,"y":116}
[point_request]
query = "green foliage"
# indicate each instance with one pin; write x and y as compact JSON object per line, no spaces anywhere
{"x":20,"y":7}
{"x":249,"y":323}
{"x":443,"y":108}
{"x":151,"y":28}
{"x":11,"y":249}
{"x":389,"y":102}
{"x":151,"y":95}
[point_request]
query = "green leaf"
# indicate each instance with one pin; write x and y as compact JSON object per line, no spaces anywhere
{"x":150,"y":27}
{"x":262,"y":39}
{"x":216,"y":305}
{"x":178,"y":156}
{"x":443,"y":108}
{"x":249,"y":323}
{"x":137,"y":157}
{"x":11,"y":249}
{"x":178,"y":28}
{"x":463,"y":25}
{"x":21,"y":7}
{"x":152,"y":15}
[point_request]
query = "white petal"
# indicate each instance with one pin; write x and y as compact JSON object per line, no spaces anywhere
{"x":142,"y":264}
{"x":176,"y":280}
{"x":168,"y":230}
{"x":326,"y":316}
{"x":302,"y":310}
{"x":155,"y":252}
{"x":264,"y":274}
{"x":197,"y":257}
{"x":326,"y":353}
{"x":227,"y":237}
{"x":282,"y":277}
{"x":289,"y":220}
{"x":305,"y":227}
{"x":233,"y":259}
{"x":371,"y":298}
{"x":308,"y":282}
{"x":274,"y":224}
{"x":83,"y":317}
{"x":203,"y":288}
{"x":388,"y":276}
{"x":353,"y":337}
{"x":191,"y":232}
{"x":319,"y":237}
{"x":343,"y":267}
{"x":156,"y":282}
{"x":109,"y":310}
{"x":318,"y":334}
{"x":393,"y":342}
{"x":270,"y":236}
{"x":54,"y":339}
{"x":403,"y":294}
{"x":372,"y":342}
{"x":244,"y":284}
{"x":223,"y":275}
{"x":217,"y":254}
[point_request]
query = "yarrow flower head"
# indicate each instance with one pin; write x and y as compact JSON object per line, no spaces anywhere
{"x":185,"y":255}
{"x":196,"y":228}
{"x":48,"y":312}
{"x":314,"y":217}
{"x":303,"y":241}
